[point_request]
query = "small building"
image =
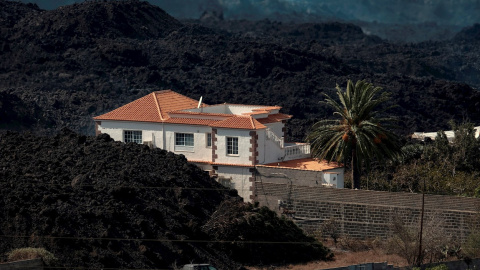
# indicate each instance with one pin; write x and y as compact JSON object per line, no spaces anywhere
{"x":450,"y":134}
{"x":227,"y":140}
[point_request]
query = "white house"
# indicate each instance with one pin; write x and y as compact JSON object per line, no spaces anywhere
{"x":228,"y":140}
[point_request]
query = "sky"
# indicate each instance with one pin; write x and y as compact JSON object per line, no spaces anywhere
{"x":442,"y":12}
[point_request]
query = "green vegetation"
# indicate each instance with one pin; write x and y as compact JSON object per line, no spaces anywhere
{"x":437,"y":267}
{"x":436,"y":167}
{"x":471,"y":247}
{"x":359,"y":135}
{"x":32,"y":253}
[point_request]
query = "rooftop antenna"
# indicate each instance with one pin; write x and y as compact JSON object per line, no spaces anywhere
{"x":200,"y":102}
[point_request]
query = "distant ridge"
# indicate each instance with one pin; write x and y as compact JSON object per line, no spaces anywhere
{"x":471,"y":33}
{"x":12,"y":12}
{"x":111,"y":19}
{"x":78,"y":61}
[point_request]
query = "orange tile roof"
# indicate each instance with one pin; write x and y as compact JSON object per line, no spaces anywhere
{"x":309,"y":164}
{"x":201,"y":113}
{"x":272,"y":118}
{"x":137,"y":110}
{"x":169,"y":100}
{"x":191,"y":121}
{"x":241,"y":122}
{"x":155,"y":107}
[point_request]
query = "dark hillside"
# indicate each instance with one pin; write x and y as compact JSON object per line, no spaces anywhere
{"x":98,"y":203}
{"x":82,"y":60}
{"x":469,"y":34}
{"x":12,"y":12}
{"x":137,"y":20}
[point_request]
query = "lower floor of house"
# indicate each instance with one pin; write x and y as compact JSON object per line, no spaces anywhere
{"x":305,"y":172}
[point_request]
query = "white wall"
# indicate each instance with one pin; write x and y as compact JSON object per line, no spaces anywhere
{"x":163,"y":136}
{"x":240,"y":109}
{"x":276,"y":128}
{"x":243,"y":146}
{"x":338,"y":173}
{"x":268,"y":150}
{"x":199,"y":151}
{"x":261,"y":146}
{"x":240,"y":179}
{"x":149,"y":130}
{"x":219,"y":108}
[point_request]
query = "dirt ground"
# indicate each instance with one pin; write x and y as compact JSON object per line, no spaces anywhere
{"x":342,"y":258}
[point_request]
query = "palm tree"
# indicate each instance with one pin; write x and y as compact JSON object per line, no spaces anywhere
{"x":358,"y":136}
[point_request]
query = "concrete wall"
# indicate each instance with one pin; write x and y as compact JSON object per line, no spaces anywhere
{"x":297,"y":177}
{"x":240,"y":179}
{"x":452,"y":265}
{"x":362,"y":213}
{"x":163,"y":136}
{"x":115,"y":129}
{"x":199,"y":151}
{"x":334,"y":177}
{"x":277,"y":128}
{"x":244,"y":146}
{"x":268,"y":150}
{"x":33,"y":264}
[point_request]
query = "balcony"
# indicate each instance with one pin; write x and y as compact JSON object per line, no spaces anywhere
{"x":296,"y":151}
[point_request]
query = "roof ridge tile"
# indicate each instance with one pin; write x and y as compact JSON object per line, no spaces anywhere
{"x":157,"y":105}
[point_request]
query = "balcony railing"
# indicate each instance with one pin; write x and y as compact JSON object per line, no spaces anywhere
{"x":297,"y":151}
{"x":272,"y":136}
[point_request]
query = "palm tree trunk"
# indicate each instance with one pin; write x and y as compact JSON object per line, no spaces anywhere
{"x":355,"y":172}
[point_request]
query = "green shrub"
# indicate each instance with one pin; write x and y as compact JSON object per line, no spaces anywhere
{"x":438,"y":267}
{"x":32,"y":253}
{"x":471,"y":247}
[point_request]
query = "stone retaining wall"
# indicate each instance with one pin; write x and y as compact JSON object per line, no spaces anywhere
{"x":362,"y":213}
{"x":452,"y":265}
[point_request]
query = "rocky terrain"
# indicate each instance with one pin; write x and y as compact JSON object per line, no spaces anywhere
{"x":97,"y":203}
{"x":59,"y":68}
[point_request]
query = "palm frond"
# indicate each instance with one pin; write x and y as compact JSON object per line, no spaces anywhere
{"x":357,"y":127}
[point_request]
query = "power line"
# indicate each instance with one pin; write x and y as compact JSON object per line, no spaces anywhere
{"x":92,"y":268}
{"x":155,"y":240}
{"x":129,"y":186}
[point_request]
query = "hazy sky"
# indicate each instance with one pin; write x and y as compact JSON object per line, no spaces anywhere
{"x":452,"y":12}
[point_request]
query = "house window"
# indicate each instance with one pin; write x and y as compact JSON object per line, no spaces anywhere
{"x":209,"y":139}
{"x":184,"y":139}
{"x":232,"y":146}
{"x":132,"y":136}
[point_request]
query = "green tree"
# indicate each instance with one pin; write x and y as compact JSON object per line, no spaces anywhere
{"x":358,"y":136}
{"x":465,"y":146}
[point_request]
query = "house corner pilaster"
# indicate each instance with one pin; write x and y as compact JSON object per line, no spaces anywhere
{"x":253,"y":189}
{"x":253,"y":147}
{"x":214,"y":145}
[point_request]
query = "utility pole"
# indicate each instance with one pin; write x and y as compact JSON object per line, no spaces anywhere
{"x":420,"y":253}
